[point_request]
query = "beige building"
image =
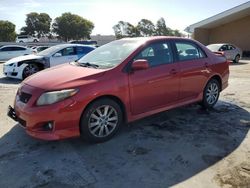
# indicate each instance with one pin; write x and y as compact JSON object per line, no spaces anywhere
{"x":231,"y":26}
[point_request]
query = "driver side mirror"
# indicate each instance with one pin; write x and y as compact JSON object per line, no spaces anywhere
{"x":140,"y":64}
{"x":57,"y":55}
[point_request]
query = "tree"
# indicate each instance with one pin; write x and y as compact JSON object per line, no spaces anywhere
{"x":146,"y":28}
{"x":7,"y":31}
{"x":72,"y":27}
{"x":125,"y":29}
{"x":162,"y":29}
{"x":37,"y":24}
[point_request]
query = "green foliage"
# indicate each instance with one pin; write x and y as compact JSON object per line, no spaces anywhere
{"x":144,"y":28}
{"x":125,"y":29}
{"x":72,"y":27}
{"x":7,"y":31}
{"x":37,"y":24}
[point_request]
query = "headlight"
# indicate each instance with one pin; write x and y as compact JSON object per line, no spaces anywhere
{"x":55,"y":96}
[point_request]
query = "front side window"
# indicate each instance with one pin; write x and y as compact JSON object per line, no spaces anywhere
{"x":188,"y":51}
{"x":67,"y":51}
{"x":156,"y":54}
{"x":223,"y":48}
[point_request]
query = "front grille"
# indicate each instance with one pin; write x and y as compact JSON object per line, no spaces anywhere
{"x":24,"y":97}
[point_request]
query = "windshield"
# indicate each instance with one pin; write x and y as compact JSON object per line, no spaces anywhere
{"x":50,"y":51}
{"x":214,"y":47}
{"x":111,"y":54}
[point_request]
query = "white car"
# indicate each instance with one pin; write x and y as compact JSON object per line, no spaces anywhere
{"x":10,"y":51}
{"x":24,"y":66}
{"x":231,"y":52}
{"x":26,"y":38}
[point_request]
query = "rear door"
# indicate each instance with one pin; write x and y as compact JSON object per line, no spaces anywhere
{"x":158,"y":85}
{"x":68,"y":54}
{"x":194,"y":70}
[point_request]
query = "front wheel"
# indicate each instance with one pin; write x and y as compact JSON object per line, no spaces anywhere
{"x":101,"y":120}
{"x":29,"y":70}
{"x":211,"y":94}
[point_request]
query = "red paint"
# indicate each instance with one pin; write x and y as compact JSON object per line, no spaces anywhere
{"x":142,"y":92}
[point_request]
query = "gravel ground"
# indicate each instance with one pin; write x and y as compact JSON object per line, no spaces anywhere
{"x":184,"y":147}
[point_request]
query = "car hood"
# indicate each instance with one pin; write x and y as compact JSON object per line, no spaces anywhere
{"x":22,"y":58}
{"x":64,"y":76}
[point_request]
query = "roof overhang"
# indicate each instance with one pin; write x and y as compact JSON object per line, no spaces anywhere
{"x":227,"y":16}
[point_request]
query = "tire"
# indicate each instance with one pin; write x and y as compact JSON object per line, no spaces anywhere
{"x":237,"y":58}
{"x":211,"y":94}
{"x":97,"y":127}
{"x":29,"y":70}
{"x":35,"y":40}
{"x":21,"y":41}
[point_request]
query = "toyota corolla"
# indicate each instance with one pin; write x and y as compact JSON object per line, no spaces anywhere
{"x":119,"y":82}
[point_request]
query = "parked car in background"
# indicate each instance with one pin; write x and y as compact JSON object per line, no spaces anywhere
{"x":37,"y":49}
{"x":26,"y":38}
{"x":119,"y":82}
{"x":24,"y":66}
{"x":10,"y":51}
{"x":231,"y":52}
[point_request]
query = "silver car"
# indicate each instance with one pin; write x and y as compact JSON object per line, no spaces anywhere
{"x":231,"y":52}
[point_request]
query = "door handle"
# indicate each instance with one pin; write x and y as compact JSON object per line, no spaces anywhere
{"x":173,"y":71}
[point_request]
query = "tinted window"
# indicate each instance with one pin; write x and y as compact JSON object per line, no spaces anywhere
{"x":188,"y":51}
{"x":230,"y":47}
{"x":223,"y":48}
{"x":18,"y":48}
{"x":83,"y":50}
{"x":8,"y":49}
{"x":22,"y":37}
{"x":67,"y":51}
{"x":156,"y":54}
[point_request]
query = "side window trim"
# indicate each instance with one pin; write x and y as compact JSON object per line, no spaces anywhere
{"x":168,"y":42}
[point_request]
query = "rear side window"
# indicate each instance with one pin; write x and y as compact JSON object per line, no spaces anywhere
{"x":188,"y":51}
{"x":82,"y":50}
{"x":156,"y":54}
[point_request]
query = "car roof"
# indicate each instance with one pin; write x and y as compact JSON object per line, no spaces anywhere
{"x":10,"y":45}
{"x":68,"y":45}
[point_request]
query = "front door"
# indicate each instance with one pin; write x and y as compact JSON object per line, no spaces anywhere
{"x":63,"y":56}
{"x":158,"y":85}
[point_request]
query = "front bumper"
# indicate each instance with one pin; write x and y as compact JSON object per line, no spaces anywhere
{"x":13,"y":72}
{"x":64,"y":115}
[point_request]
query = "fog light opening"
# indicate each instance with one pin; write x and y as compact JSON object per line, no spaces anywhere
{"x":48,"y":126}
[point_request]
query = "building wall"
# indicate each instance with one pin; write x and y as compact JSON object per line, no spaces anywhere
{"x":236,"y":32}
{"x":202,"y":35}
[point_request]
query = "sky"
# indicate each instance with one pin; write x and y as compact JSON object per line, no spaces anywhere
{"x":178,"y":14}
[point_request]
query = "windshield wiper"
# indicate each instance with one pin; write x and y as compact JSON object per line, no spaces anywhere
{"x":88,"y":65}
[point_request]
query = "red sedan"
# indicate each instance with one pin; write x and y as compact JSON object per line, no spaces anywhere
{"x":119,"y":82}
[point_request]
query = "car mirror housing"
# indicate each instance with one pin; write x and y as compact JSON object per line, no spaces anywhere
{"x":140,"y":64}
{"x":57,"y":55}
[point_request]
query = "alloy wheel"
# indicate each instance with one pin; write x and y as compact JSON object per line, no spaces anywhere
{"x":212,"y":93}
{"x":103,"y":121}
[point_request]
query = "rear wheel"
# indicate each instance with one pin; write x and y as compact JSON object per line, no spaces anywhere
{"x":237,"y":59}
{"x":29,"y":70}
{"x":211,"y":94}
{"x":101,"y":120}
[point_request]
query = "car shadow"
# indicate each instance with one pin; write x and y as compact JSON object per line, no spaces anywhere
{"x":158,"y":151}
{"x":6,"y":80}
{"x":240,"y":63}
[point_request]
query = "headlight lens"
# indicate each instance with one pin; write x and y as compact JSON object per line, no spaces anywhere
{"x":55,"y":96}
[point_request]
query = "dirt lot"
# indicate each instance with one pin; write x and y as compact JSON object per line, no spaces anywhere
{"x":185,"y":147}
